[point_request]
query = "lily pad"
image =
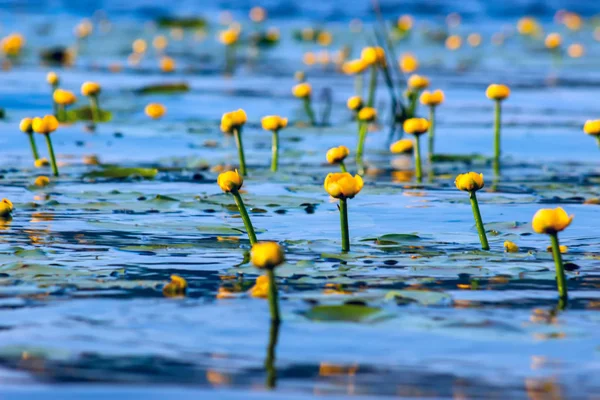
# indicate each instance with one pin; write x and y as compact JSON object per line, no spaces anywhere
{"x":85,"y":114}
{"x":164,"y":88}
{"x":344,"y":312}
{"x":116,"y":172}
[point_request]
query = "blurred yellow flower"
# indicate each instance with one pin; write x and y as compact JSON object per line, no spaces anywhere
{"x":324,"y":38}
{"x":42,"y":181}
{"x":84,"y":28}
{"x":510,"y":247}
{"x":267,"y":255}
{"x":41,"y":162}
{"x":6,"y":208}
{"x":45,"y":125}
{"x":160,"y":42}
{"x":26,"y":125}
{"x":233,"y":120}
{"x":176,"y":288}
{"x":343,"y":185}
{"x":64,"y":97}
{"x":474,"y":39}
{"x":139,"y":46}
{"x":553,"y":41}
{"x":302,"y":90}
{"x":592,"y":127}
{"x":52,"y":78}
{"x":575,"y":50}
{"x":258,"y":14}
{"x":167,"y":64}
{"x":12,"y":44}
{"x":309,"y":58}
{"x":354,"y":103}
{"x":155,"y":110}
{"x":408,"y":63}
{"x":336,"y":155}
{"x":416,"y":126}
{"x":528,"y":26}
{"x":90,"y":88}
{"x":273,"y":122}
{"x":229,"y":37}
{"x":497,"y":92}
{"x":230,"y":181}
{"x":405,"y":23}
{"x":433,"y":99}
{"x":367,"y":114}
{"x":418,"y":82}
{"x":402,"y":146}
{"x":469,"y":182}
{"x":551,"y":221}
{"x":453,"y":42}
{"x":354,"y":67}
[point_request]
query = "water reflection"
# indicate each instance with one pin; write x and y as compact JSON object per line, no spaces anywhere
{"x":270,"y":368}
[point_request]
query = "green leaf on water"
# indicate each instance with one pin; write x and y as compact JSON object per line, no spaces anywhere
{"x":116,"y":172}
{"x":164,"y":88}
{"x":424,"y":297}
{"x":182,"y":22}
{"x":468,"y":158}
{"x":344,"y":312}
{"x":393,"y":238}
{"x":85,"y":114}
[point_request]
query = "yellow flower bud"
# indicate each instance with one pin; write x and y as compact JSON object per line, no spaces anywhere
{"x":229,"y":37}
{"x":25,"y":125}
{"x":408,"y":63}
{"x":553,"y":41}
{"x":273,"y":122}
{"x":354,"y":67}
{"x":369,"y":55}
{"x":416,"y":126}
{"x":41,"y":162}
{"x":160,"y":42}
{"x":336,"y":155}
{"x":453,"y":42}
{"x":576,"y":50}
{"x":45,"y":125}
{"x":592,"y":127}
{"x":41,"y":181}
{"x":367,"y":114}
{"x":139,"y":46}
{"x":469,"y":182}
{"x":12,"y":44}
{"x":402,"y":146}
{"x":267,"y":255}
{"x":510,"y":247}
{"x":324,"y":38}
{"x":405,"y":23}
{"x":528,"y":26}
{"x":474,"y":39}
{"x":354,"y":103}
{"x":90,"y":89}
{"x":432,"y":98}
{"x":155,"y":110}
{"x":418,"y":82}
{"x":551,"y":221}
{"x":6,"y":208}
{"x":176,"y":288}
{"x":64,"y":97}
{"x":52,"y":78}
{"x":230,"y":181}
{"x":343,"y":185}
{"x":233,"y":120}
{"x":302,"y":90}
{"x":167,"y":64}
{"x":497,"y":92}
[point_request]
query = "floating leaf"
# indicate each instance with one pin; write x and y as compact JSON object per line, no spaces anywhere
{"x":185,"y":22}
{"x":164,"y":88}
{"x":424,"y":297}
{"x":85,"y":114}
{"x":123,"y":172}
{"x":344,"y":312}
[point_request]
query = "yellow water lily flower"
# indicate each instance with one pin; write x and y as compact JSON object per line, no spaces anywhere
{"x":229,"y":37}
{"x":416,"y":126}
{"x":155,"y":110}
{"x":372,"y":55}
{"x":267,"y":255}
{"x":592,"y":127}
{"x":6,"y":208}
{"x":12,"y":44}
{"x":167,"y":64}
{"x":367,"y":114}
{"x":418,"y":82}
{"x":335,"y":155}
{"x":52,"y":78}
{"x":230,"y":181}
{"x":402,"y":146}
{"x":273,"y":122}
{"x":90,"y":89}
{"x":432,"y":98}
{"x":469,"y":182}
{"x":354,"y":67}
{"x":64,"y":97}
{"x":26,"y":125}
{"x":497,"y":92}
{"x":453,"y":42}
{"x":41,"y":162}
{"x":528,"y":26}
{"x":551,"y":221}
{"x":408,"y":63}
{"x":233,"y":120}
{"x":342,"y":185}
{"x":354,"y":103}
{"x":510,"y":247}
{"x":302,"y":90}
{"x":42,"y":181}
{"x":553,"y":41}
{"x":45,"y":125}
{"x":176,"y":288}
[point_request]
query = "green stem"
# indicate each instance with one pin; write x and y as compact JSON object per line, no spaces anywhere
{"x":413,"y":96}
{"x":418,"y":168}
{"x":54,"y":104}
{"x":598,"y":140}
{"x":270,"y":360}
{"x":343,"y":166}
{"x":478,"y":221}
{"x":359,"y":80}
{"x":238,"y":141}
{"x":362,"y":135}
{"x":431,"y":133}
{"x":229,"y":59}
{"x":309,"y":111}
{"x":51,"y":152}
{"x":94,"y":109}
{"x":372,"y":86}
{"x":62,"y":113}
{"x":245,"y":217}
{"x":273,"y":300}
{"x":344,"y":225}
{"x":497,"y":122}
{"x":275,"y":151}
{"x":36,"y":156}
{"x":561,"y":280}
